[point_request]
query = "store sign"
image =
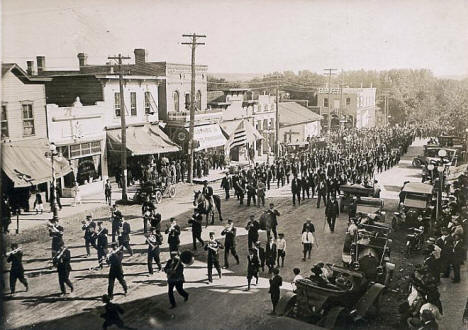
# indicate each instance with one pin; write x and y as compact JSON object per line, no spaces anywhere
{"x":86,"y":166}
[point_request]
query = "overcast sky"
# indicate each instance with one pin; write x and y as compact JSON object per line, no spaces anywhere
{"x":244,"y":36}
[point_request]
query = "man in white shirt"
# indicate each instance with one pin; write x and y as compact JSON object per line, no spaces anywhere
{"x":281,"y":248}
{"x":308,"y":239}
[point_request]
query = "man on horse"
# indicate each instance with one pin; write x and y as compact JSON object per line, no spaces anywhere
{"x":208,"y":193}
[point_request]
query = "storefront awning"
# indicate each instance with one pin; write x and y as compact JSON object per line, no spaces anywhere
{"x":240,"y":132}
{"x":208,"y":136}
{"x":142,"y":140}
{"x":26,"y":164}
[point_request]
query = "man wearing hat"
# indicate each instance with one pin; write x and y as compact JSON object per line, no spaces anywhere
{"x":89,"y":227}
{"x":116,"y":218}
{"x":101,"y":243}
{"x":229,"y":242}
{"x":253,"y":264}
{"x":154,"y":240}
{"x":445,"y":243}
{"x":173,"y":232}
{"x":213,"y":257}
{"x":124,"y":238}
{"x":175,"y":278}
{"x":208,"y":193}
{"x":226,"y":185}
{"x":458,"y":256}
{"x":196,"y":222}
{"x":114,"y":259}
{"x":252,"y":230}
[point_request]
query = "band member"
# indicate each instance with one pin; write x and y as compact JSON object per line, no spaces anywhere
{"x":230,"y":242}
{"x":108,"y":192}
{"x":15,"y":256}
{"x":116,"y":218}
{"x":62,"y":262}
{"x":175,"y":278}
{"x":251,"y":191}
{"x":155,"y":220}
{"x":226,"y":185}
{"x":114,"y":259}
{"x":213,"y":257}
{"x":261,"y":192}
{"x":270,"y":254}
{"x":89,"y":228}
{"x":112,"y":314}
{"x":147,"y":211}
{"x":154,"y":240}
{"x":281,"y":248}
{"x":331,"y":212}
{"x":260,"y":254}
{"x":208,"y":192}
{"x":253,"y":264}
{"x":56,"y":232}
{"x":239,"y":187}
{"x":296,"y":190}
{"x":252,"y":228}
{"x":173,"y":232}
{"x":196,"y":222}
{"x":275,"y":283}
{"x":101,"y":243}
{"x":274,"y":214}
{"x":124,"y":238}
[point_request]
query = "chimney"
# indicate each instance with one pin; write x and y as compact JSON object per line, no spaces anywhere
{"x":40,"y":63}
{"x":30,"y":69}
{"x":82,"y":57}
{"x":140,"y":55}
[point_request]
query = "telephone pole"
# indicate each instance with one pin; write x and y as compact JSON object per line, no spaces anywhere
{"x":329,"y":101}
{"x":277,"y":120}
{"x":123,"y":125}
{"x":193,"y":44}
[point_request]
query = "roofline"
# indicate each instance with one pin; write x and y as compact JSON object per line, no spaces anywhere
{"x":299,"y":123}
{"x":25,"y":74}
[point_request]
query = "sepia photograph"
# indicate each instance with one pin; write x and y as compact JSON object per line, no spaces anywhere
{"x":234,"y":164}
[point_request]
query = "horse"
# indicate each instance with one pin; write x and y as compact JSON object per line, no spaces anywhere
{"x":204,"y":207}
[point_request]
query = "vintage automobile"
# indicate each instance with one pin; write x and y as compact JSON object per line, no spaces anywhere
{"x":155,"y":190}
{"x":371,"y":207}
{"x":353,"y":190}
{"x":453,"y":142}
{"x":347,"y":297}
{"x":431,"y":156}
{"x":416,"y":201}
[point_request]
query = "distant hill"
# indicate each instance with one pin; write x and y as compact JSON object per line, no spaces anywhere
{"x":235,"y":76}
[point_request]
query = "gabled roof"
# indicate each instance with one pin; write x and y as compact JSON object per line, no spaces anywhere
{"x":21,"y":74}
{"x":292,"y":113}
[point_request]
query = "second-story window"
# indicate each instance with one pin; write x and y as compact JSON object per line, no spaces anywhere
{"x":133,"y":104}
{"x":147,"y":102}
{"x":4,"y":121}
{"x":325,"y":102}
{"x":348,"y":101}
{"x":28,"y":120}
{"x":117,"y":104}
{"x":176,"y":101}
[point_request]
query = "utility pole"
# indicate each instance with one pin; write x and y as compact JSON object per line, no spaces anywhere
{"x":277,"y":120}
{"x":329,"y":101}
{"x":194,"y":45}
{"x":123,"y":125}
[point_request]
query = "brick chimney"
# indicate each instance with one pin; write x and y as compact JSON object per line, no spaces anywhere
{"x":30,"y":69}
{"x":40,"y":63}
{"x":140,"y":55}
{"x":82,"y":57}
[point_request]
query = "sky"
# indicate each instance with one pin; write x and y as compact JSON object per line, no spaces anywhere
{"x":244,"y":36}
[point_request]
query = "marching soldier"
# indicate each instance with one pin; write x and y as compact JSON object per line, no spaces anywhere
{"x":15,"y":256}
{"x":89,"y":227}
{"x":154,"y":240}
{"x":213,"y":258}
{"x":124,"y":238}
{"x":230,"y":242}
{"x":173,"y":232}
{"x":196,"y":222}
{"x":114,"y":259}
{"x":62,"y":262}
{"x":175,"y":278}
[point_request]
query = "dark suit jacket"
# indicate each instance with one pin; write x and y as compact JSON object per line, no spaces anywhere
{"x":270,"y":253}
{"x":275,"y":284}
{"x":295,"y":186}
{"x":226,"y":183}
{"x":458,"y":255}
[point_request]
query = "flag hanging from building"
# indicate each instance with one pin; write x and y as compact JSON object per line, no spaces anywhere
{"x":240,"y":136}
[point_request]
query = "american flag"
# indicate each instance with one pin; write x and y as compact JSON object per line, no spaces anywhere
{"x":240,"y":136}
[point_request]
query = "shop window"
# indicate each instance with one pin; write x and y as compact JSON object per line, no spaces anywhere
{"x":133,"y":104}
{"x":75,"y":150}
{"x":325,"y":102}
{"x":147,"y":102}
{"x":117,"y":104}
{"x":4,"y":121}
{"x":28,"y":120}
{"x":95,"y":147}
{"x":176,"y":101}
{"x":85,"y":149}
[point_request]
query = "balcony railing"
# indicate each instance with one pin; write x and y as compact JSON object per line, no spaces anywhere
{"x":206,"y":115}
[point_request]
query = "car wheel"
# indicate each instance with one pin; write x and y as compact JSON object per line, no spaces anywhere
{"x":417,"y":162}
{"x":158,"y":197}
{"x":172,"y":191}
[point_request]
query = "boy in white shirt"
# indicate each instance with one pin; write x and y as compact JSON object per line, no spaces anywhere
{"x":297,"y":276}
{"x":281,"y":248}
